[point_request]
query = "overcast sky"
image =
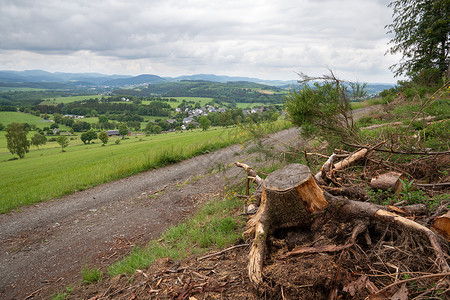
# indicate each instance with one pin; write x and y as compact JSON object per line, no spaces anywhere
{"x":259,"y":38}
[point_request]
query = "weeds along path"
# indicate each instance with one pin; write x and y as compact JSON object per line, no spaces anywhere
{"x":44,"y":247}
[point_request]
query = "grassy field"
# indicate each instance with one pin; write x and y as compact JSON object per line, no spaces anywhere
{"x":70,"y":99}
{"x":248,"y":105}
{"x":7,"y":117}
{"x":18,"y":89}
{"x":50,"y":173}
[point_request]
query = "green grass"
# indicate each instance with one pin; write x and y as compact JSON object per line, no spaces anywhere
{"x":70,"y":99}
{"x":91,"y":275}
{"x":62,"y":295}
{"x":49,"y":173}
{"x":248,"y":105}
{"x":215,"y":226}
{"x":7,"y":117}
{"x":202,"y":100}
{"x":365,"y":103}
{"x":18,"y":89}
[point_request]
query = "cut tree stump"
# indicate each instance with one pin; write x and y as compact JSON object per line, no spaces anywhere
{"x":289,"y":197}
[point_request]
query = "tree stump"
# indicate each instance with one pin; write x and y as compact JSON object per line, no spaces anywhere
{"x":289,"y":197}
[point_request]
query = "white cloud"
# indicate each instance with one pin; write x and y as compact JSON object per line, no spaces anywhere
{"x":265,"y":39}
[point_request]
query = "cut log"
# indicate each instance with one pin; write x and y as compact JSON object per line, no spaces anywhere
{"x":388,"y":181}
{"x":289,"y":197}
{"x":442,"y":225}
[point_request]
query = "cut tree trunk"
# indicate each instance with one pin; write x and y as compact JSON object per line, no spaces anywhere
{"x":388,"y":181}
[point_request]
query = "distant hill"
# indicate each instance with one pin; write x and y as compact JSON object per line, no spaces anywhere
{"x":237,"y":91}
{"x":58,"y":80}
{"x":141,"y":79}
{"x":224,"y":79}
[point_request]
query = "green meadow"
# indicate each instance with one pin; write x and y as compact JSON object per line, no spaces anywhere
{"x":7,"y":117}
{"x":70,"y":99}
{"x":49,"y":173}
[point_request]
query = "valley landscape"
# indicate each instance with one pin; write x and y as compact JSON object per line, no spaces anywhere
{"x":316,"y":167}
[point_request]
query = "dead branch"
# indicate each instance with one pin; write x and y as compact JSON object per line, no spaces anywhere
{"x":352,"y":192}
{"x":390,"y":217}
{"x":222,"y":251}
{"x":250,"y":172}
{"x":351,"y":159}
{"x":432,"y":185}
{"x":397,"y":152}
{"x":408,"y":280}
{"x":319,"y":249}
{"x":322,"y":174}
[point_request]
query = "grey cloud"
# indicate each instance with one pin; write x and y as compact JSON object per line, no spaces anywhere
{"x":260,"y":35}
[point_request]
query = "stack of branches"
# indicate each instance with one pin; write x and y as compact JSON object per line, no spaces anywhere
{"x":388,"y":250}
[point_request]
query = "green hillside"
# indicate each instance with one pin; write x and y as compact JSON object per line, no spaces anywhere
{"x":244,"y":92}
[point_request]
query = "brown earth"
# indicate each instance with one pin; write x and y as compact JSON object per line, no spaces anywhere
{"x":44,"y":247}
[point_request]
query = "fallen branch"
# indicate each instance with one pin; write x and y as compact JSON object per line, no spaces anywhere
{"x":319,"y":249}
{"x":328,"y":166}
{"x":398,"y":152}
{"x":351,"y":159}
{"x":250,"y":172}
{"x":33,"y":294}
{"x":322,"y":174}
{"x":408,"y":280}
{"x":223,"y":251}
{"x":432,"y":185}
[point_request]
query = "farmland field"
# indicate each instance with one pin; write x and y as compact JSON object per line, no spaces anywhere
{"x":70,"y":99}
{"x":18,"y":89}
{"x":7,"y":117}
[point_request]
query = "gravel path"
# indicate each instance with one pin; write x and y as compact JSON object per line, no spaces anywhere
{"x":44,"y":247}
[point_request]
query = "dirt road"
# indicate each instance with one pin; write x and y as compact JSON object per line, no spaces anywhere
{"x":45,"y":246}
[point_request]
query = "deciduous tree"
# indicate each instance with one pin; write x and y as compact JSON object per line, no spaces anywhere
{"x":87,"y":137}
{"x":63,"y":141}
{"x":16,"y":139}
{"x":123,"y":130}
{"x":323,"y":109}
{"x":103,"y":136}
{"x":204,"y":122}
{"x":38,"y":139}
